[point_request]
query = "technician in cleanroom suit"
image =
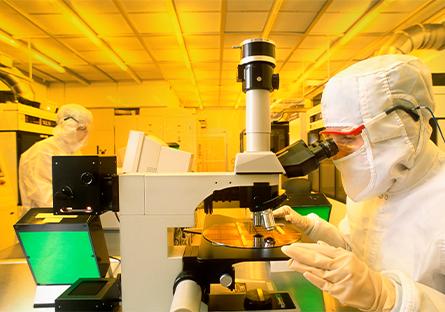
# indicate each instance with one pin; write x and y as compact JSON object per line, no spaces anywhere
{"x":35,"y":168}
{"x":389,"y":251}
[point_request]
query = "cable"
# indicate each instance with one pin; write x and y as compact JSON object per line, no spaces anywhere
{"x":410,"y":111}
{"x":117,"y":217}
{"x":434,"y":118}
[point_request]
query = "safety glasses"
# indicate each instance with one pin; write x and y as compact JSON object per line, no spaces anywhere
{"x":80,"y":127}
{"x":348,"y":140}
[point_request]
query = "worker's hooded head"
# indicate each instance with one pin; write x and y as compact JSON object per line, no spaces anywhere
{"x":380,"y":97}
{"x":73,"y":123}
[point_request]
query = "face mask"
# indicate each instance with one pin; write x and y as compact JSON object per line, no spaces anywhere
{"x":355,"y":172}
{"x":374,"y":168}
{"x":73,"y":136}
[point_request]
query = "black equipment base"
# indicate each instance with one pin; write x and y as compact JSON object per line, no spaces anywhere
{"x":280,"y":301}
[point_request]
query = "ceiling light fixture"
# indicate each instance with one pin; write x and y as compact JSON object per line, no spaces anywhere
{"x":275,"y":103}
{"x":185,"y":55}
{"x":272,"y":18}
{"x":353,"y":31}
{"x":238,"y":100}
{"x":85,"y":29}
{"x":8,"y":39}
{"x":34,"y":53}
{"x":47,"y":61}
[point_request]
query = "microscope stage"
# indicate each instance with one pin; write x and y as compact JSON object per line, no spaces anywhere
{"x":241,"y":234}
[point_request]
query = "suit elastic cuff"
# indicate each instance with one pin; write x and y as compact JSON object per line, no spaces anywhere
{"x":407,"y":295}
{"x":315,"y":220}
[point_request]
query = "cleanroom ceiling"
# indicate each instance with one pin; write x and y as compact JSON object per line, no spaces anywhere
{"x":188,"y":44}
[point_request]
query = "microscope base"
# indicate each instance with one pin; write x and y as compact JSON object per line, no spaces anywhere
{"x":280,"y":301}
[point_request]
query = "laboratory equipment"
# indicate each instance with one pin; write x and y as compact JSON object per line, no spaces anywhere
{"x":60,"y":249}
{"x":153,"y":207}
{"x":90,"y":294}
{"x":84,"y":184}
{"x":22,"y":124}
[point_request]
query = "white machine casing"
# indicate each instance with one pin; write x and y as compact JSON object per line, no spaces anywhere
{"x":151,"y":203}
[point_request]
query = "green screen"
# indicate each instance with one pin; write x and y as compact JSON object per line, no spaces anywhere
{"x":309,"y":298}
{"x":322,"y":212}
{"x":59,"y":257}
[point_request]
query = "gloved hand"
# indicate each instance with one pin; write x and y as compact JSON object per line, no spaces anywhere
{"x":302,"y":223}
{"x":340,"y":273}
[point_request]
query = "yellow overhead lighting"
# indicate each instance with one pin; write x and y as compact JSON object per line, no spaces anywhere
{"x":275,"y":103}
{"x":85,"y":29}
{"x":180,"y":39}
{"x":348,"y":36}
{"x":238,"y":100}
{"x":116,"y":59}
{"x":35,"y":54}
{"x":271,"y":19}
{"x":78,"y":23}
{"x":47,"y":61}
{"x":8,"y":39}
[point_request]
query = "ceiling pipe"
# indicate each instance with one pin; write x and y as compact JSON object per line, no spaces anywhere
{"x":14,"y":84}
{"x":19,"y":85}
{"x":419,"y":36}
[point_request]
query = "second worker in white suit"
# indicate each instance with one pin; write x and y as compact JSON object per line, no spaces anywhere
{"x":35,"y":169}
{"x":389,"y":251}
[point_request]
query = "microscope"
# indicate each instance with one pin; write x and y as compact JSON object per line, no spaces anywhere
{"x":158,"y":273}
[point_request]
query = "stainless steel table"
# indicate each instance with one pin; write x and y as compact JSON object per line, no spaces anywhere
{"x":17,"y":287}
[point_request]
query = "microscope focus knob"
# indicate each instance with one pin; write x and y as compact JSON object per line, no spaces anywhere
{"x":65,"y":193}
{"x":226,"y":280}
{"x":87,"y":178}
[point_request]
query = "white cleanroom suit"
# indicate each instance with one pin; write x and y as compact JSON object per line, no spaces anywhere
{"x":35,"y":168}
{"x":389,"y":251}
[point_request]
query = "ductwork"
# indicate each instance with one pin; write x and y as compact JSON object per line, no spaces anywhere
{"x":20,"y":89}
{"x":420,"y":36}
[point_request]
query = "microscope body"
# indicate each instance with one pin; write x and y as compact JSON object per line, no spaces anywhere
{"x":151,"y":207}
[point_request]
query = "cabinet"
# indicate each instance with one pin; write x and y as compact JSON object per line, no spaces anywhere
{"x":13,"y":144}
{"x":101,"y":133}
{"x":8,"y":217}
{"x":110,"y":132}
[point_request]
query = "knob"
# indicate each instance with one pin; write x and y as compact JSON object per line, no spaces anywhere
{"x":65,"y":193}
{"x":87,"y":178}
{"x":275,"y":81}
{"x":226,"y":280}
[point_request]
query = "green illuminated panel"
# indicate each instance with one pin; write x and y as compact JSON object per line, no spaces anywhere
{"x":59,"y":257}
{"x":322,"y":212}
{"x":308,"y":297}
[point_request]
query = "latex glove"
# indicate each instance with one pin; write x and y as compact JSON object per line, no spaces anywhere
{"x":303,"y":223}
{"x":340,"y":273}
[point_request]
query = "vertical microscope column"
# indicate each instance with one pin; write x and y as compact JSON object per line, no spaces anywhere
{"x":255,"y":71}
{"x":257,"y":121}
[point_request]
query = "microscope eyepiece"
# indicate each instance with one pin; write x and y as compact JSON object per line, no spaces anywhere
{"x":324,"y":149}
{"x":299,"y":159}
